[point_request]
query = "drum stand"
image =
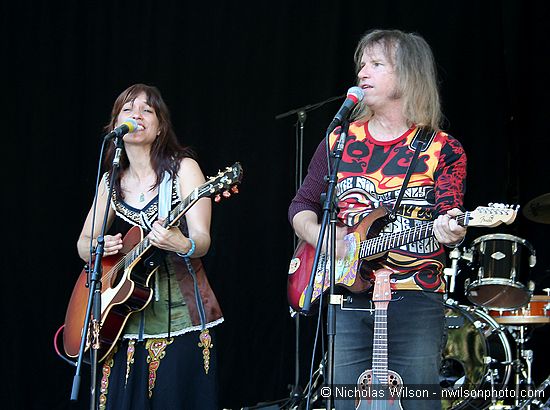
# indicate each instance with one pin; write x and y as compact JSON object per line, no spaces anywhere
{"x":523,"y":363}
{"x":522,"y":366}
{"x":535,"y":400}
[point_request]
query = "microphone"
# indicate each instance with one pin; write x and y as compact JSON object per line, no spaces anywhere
{"x":128,"y":126}
{"x":354,"y":95}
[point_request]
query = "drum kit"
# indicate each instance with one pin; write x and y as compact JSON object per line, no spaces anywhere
{"x":485,"y":348}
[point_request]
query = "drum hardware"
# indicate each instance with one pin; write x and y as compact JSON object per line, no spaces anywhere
{"x":534,"y":399}
{"x":523,"y":362}
{"x":527,"y":355}
{"x":451,"y":272}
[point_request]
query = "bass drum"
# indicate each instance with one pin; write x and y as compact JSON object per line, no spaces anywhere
{"x":477,"y":355}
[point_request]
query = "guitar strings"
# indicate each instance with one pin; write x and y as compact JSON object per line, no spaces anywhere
{"x":376,"y":244}
{"x":145,"y":243}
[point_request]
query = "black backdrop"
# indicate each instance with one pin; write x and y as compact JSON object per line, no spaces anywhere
{"x":226,"y":70}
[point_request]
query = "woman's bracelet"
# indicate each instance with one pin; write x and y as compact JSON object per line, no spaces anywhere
{"x":190,"y":252}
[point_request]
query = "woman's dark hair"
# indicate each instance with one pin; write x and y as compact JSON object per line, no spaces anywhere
{"x":166,"y":151}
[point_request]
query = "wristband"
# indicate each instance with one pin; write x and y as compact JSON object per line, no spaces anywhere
{"x":190,"y":252}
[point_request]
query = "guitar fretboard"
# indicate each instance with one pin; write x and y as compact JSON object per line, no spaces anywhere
{"x":175,"y":214}
{"x":379,"y":244}
{"x":380,"y":346}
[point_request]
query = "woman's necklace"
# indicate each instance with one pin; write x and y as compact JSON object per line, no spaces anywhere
{"x":142,"y":197}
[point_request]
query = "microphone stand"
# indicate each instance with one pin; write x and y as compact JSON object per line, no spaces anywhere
{"x":309,"y":107}
{"x":94,"y":298}
{"x":296,"y":394}
{"x":329,"y":216}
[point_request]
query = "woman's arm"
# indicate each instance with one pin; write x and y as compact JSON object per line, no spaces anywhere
{"x":112,"y":243}
{"x":198,"y":217}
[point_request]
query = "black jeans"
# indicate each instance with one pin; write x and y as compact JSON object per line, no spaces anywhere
{"x":416,"y":337}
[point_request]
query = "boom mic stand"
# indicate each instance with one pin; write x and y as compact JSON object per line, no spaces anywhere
{"x":296,"y":395}
{"x":94,"y":297}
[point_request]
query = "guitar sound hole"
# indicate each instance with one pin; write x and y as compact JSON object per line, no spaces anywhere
{"x":117,"y":278}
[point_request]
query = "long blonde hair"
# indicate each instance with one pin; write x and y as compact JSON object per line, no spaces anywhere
{"x":415,"y":69}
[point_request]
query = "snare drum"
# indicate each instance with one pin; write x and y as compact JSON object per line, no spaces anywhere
{"x":536,"y":311}
{"x":500,"y":271}
{"x":477,"y":355}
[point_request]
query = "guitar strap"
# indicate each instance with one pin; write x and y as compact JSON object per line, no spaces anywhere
{"x":165,"y":206}
{"x":165,"y":196}
{"x":421,"y":141}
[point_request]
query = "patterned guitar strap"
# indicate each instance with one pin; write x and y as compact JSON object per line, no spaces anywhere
{"x":422,"y":139}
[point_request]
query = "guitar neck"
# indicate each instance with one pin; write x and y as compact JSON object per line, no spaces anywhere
{"x":174,"y":215}
{"x":182,"y":208}
{"x":380,"y":345}
{"x":379,"y":244}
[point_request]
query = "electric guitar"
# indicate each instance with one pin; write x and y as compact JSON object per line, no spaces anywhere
{"x":364,"y":245}
{"x":379,"y":383}
{"x":125,"y":276}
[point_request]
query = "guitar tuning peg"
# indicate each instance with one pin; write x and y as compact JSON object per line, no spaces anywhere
{"x":226,"y":194}
{"x":217,"y":198}
{"x":235,"y":189}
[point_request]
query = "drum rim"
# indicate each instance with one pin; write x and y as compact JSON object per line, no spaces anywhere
{"x":503,"y":236}
{"x":498,"y":281}
{"x":521,"y":320}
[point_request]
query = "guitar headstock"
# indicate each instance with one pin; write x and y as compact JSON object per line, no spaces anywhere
{"x":493,"y":215}
{"x":224,"y":184}
{"x":382,"y":287}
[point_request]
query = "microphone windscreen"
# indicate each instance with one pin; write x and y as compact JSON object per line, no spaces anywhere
{"x":131,"y":124}
{"x":355,"y":93}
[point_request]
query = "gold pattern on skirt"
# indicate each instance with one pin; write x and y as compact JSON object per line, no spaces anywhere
{"x":129,"y":358}
{"x":206,"y":344}
{"x":105,"y":373}
{"x":156,"y":349}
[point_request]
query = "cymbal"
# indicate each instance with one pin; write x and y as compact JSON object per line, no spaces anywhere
{"x":538,"y":209}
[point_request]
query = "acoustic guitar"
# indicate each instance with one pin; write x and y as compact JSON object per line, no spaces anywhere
{"x":125,"y":276}
{"x":377,"y":388}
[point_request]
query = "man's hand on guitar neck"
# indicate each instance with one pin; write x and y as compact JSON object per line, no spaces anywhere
{"x":447,"y":230}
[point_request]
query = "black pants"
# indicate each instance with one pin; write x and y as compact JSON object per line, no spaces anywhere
{"x":416,"y":335}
